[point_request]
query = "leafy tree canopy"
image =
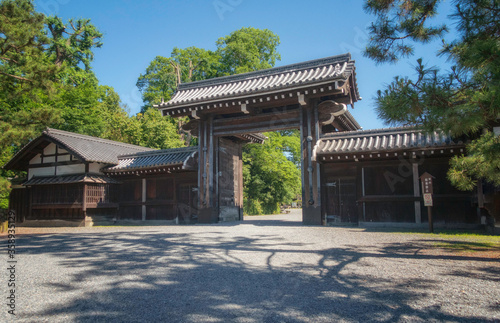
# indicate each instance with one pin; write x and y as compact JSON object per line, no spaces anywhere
{"x":46,"y":80}
{"x":72,"y":43}
{"x":244,"y":50}
{"x":247,"y":49}
{"x":23,"y":65}
{"x":464,"y":100}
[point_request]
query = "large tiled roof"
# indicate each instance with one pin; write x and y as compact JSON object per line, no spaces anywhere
{"x":293,"y":76}
{"x":70,"y":179}
{"x":86,"y":148}
{"x":93,"y":149}
{"x":402,"y":138}
{"x":153,"y":159}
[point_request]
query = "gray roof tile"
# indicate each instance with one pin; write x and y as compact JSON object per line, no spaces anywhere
{"x":402,"y":138}
{"x":158,"y":158}
{"x":86,"y":148}
{"x":70,"y":179}
{"x":93,"y":149}
{"x":339,"y":67}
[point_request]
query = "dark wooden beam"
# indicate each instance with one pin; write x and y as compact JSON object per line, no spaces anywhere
{"x":311,"y":181}
{"x":259,"y":127}
{"x":245,"y":120}
{"x":56,"y":206}
{"x":54,"y":164}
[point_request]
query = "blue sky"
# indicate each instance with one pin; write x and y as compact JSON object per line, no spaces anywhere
{"x":137,"y":31}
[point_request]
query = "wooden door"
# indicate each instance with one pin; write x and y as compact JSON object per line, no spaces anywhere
{"x":229,"y":181}
{"x":340,"y":200}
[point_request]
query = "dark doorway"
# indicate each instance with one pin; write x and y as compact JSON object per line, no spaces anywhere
{"x":187,"y":203}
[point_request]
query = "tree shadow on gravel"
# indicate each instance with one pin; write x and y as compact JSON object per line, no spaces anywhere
{"x":490,"y":274}
{"x":200,"y":277}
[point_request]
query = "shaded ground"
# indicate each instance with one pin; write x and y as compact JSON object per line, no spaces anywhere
{"x":255,"y":271}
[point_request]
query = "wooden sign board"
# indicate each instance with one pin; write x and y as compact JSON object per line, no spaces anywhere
{"x":426,"y":179}
{"x":427,"y":199}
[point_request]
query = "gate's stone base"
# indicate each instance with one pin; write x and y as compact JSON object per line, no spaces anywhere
{"x":229,"y":214}
{"x":311,"y":216}
{"x":208,"y":215}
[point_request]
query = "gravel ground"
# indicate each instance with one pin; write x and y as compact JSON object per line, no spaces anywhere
{"x":266,"y":269}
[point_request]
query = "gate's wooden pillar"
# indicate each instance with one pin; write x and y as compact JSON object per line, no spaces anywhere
{"x":207,"y":205}
{"x":311,"y":184}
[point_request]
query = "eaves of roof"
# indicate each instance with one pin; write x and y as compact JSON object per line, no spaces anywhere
{"x":289,"y":77}
{"x":86,"y":148}
{"x":70,"y":179}
{"x":389,"y":139}
{"x":154,"y":159}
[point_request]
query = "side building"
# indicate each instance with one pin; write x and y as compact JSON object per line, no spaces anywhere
{"x":70,"y":181}
{"x":372,"y":178}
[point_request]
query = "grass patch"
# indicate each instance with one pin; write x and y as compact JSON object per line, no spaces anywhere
{"x":451,"y":240}
{"x":459,"y":241}
{"x":468,"y":242}
{"x":468,"y":246}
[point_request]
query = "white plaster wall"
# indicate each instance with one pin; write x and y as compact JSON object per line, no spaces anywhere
{"x":63,"y":158}
{"x":50,"y":149}
{"x":61,"y":170}
{"x":36,"y":160}
{"x":96,"y":168}
{"x":70,"y":169}
{"x":49,"y":159}
{"x":45,"y":171}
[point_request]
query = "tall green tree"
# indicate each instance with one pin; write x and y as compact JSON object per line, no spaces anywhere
{"x":164,"y":74}
{"x":244,"y":50}
{"x":72,"y":43}
{"x":247,"y":49}
{"x":26,"y":80}
{"x":26,"y":74}
{"x":46,"y":80}
{"x":156,"y":131}
{"x":464,"y":100}
{"x":159,"y":82}
{"x":79,"y":98}
{"x":23,"y":65}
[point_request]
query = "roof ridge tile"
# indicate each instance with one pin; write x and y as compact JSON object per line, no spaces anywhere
{"x":269,"y":71}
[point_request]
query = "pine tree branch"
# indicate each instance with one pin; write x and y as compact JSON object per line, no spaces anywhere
{"x":16,"y":77}
{"x":9,"y":59}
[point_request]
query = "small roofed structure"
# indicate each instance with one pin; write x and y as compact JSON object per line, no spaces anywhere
{"x":86,"y":149}
{"x":371,"y":178}
{"x":74,"y":179}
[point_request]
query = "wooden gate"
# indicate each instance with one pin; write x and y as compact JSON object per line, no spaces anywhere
{"x":311,"y":96}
